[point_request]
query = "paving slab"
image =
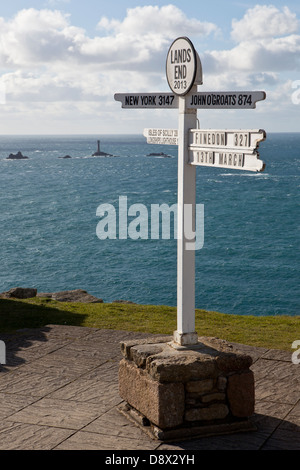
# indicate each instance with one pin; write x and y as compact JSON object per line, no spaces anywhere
{"x":24,"y":436}
{"x":59,"y":390}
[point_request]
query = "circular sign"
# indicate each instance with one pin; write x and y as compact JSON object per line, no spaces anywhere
{"x":181,"y":66}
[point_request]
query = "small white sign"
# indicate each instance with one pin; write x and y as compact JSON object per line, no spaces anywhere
{"x":181,"y":66}
{"x":225,"y":158}
{"x":161,"y":136}
{"x":225,"y":99}
{"x":147,"y":100}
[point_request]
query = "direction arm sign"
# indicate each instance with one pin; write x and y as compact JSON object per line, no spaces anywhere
{"x":161,"y":136}
{"x":234,"y":139}
{"x":224,"y":158}
{"x":147,"y":100}
{"x":205,"y":100}
{"x":235,"y":149}
{"x":226,"y":99}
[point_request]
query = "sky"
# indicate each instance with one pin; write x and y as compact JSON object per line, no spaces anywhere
{"x":62,"y":61}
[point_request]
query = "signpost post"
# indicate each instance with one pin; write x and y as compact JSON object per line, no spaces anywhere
{"x":236,"y":149}
{"x":184,"y":73}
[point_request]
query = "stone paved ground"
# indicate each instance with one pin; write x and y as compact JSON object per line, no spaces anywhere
{"x":59,"y":390}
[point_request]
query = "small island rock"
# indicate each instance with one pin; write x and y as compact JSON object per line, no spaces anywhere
{"x":16,"y":156}
{"x":161,"y":154}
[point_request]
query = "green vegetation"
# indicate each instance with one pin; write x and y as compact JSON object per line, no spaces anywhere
{"x":276,"y":332}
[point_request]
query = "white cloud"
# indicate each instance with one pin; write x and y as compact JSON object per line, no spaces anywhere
{"x":266,"y":43}
{"x":264,"y":55}
{"x":167,"y":21}
{"x":48,"y":59}
{"x":35,"y":37}
{"x":50,"y":67}
{"x":43,"y":36}
{"x":264,"y":21}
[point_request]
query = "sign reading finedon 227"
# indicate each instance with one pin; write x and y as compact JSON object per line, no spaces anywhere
{"x":234,"y":149}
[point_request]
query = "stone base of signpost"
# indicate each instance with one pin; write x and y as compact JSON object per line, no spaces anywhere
{"x":178,"y":392}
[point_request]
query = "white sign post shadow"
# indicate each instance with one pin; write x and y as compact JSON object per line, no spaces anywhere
{"x":226,"y":149}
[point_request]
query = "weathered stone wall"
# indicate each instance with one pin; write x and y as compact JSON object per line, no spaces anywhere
{"x":177,"y":386}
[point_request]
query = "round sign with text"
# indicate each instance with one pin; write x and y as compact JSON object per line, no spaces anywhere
{"x":181,"y":66}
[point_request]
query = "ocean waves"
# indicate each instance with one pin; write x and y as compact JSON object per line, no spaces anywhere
{"x":249,"y":261}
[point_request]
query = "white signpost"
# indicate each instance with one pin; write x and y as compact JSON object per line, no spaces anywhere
{"x":235,"y":149}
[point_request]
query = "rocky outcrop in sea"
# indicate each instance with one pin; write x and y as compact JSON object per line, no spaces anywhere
{"x":16,"y":156}
{"x":160,"y":154}
{"x":99,"y":153}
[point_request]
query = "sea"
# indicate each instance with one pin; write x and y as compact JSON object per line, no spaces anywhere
{"x":249,"y":261}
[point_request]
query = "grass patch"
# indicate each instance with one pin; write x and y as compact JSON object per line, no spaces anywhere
{"x":276,"y":332}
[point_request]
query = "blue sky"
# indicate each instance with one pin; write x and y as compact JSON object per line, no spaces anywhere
{"x":63,"y":60}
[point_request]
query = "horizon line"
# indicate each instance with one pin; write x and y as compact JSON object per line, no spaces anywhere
{"x":113,"y":134}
